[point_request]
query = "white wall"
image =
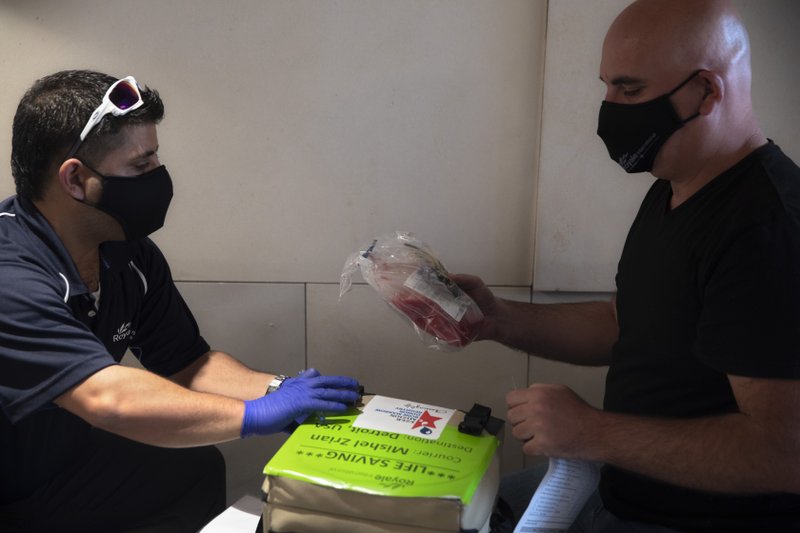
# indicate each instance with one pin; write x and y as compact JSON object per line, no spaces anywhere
{"x":298,"y":130}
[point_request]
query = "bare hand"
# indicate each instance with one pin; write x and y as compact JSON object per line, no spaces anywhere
{"x":551,"y":420}
{"x":486,"y":301}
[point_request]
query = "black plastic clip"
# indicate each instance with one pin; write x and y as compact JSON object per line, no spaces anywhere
{"x":360,"y":396}
{"x":480,"y":418}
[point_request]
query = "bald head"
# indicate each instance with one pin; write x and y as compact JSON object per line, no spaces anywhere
{"x":696,"y":53}
{"x":679,"y":36}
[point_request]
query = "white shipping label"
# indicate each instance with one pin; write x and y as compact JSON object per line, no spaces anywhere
{"x":402,"y":416}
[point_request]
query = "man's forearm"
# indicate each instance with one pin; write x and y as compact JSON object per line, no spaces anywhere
{"x":727,"y":453}
{"x":580,"y":333}
{"x":141,"y":406}
{"x":219,"y":373}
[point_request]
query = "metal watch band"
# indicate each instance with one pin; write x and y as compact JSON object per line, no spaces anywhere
{"x":276,"y":383}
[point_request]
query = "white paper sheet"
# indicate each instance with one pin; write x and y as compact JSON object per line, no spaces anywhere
{"x":241,"y":517}
{"x":561,"y":495}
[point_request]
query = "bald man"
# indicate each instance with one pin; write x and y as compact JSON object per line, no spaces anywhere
{"x":700,"y":428}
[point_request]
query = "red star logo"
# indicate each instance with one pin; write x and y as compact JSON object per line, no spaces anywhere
{"x":426,"y":420}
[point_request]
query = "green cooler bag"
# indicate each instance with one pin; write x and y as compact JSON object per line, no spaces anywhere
{"x":387,"y":465}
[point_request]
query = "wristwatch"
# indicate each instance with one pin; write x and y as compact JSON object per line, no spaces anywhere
{"x":276,"y":383}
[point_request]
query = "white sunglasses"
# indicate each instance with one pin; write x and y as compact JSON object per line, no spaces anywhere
{"x":121,"y":98}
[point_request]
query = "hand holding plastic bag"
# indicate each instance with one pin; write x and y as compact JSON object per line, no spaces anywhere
{"x":414,"y":282}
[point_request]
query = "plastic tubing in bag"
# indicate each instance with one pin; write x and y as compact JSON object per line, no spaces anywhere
{"x":407,"y":276}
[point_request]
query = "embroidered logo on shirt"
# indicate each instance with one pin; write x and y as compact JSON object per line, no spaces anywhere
{"x":124,"y":332}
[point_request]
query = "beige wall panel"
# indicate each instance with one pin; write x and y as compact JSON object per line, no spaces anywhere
{"x":775,"y":47}
{"x":261,"y":324}
{"x":363,"y":337}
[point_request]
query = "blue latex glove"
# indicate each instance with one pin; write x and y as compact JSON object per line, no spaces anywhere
{"x":297,"y":398}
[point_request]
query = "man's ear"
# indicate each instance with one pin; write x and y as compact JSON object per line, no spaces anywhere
{"x":713,"y":88}
{"x":72,"y":176}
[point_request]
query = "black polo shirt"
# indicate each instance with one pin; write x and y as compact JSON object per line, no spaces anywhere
{"x":54,"y":334}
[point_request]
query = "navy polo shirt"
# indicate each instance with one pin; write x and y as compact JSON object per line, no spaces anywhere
{"x":53,"y":335}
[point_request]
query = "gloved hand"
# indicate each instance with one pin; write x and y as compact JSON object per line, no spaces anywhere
{"x":297,"y":398}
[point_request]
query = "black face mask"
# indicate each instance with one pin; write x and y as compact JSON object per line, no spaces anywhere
{"x":138,"y":203}
{"x":634,"y":133}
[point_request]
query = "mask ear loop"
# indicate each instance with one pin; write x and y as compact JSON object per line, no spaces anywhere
{"x":684,"y":82}
{"x":679,"y":87}
{"x":102,"y":177}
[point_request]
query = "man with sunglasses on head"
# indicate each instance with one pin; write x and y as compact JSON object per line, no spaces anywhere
{"x":700,"y":427}
{"x":87,"y":444}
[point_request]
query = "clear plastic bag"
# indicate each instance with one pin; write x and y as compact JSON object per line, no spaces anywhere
{"x":409,"y":277}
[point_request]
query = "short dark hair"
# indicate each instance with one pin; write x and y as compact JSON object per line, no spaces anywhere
{"x":49,"y":120}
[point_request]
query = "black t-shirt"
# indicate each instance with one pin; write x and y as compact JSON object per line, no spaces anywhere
{"x":54,"y":334}
{"x":707,"y":289}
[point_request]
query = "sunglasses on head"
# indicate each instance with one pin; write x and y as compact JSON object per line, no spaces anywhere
{"x":121,"y":98}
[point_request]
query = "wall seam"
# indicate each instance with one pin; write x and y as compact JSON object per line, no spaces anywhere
{"x":305,"y":325}
{"x":535,"y":217}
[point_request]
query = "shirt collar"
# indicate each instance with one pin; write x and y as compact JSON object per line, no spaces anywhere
{"x":113,"y":255}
